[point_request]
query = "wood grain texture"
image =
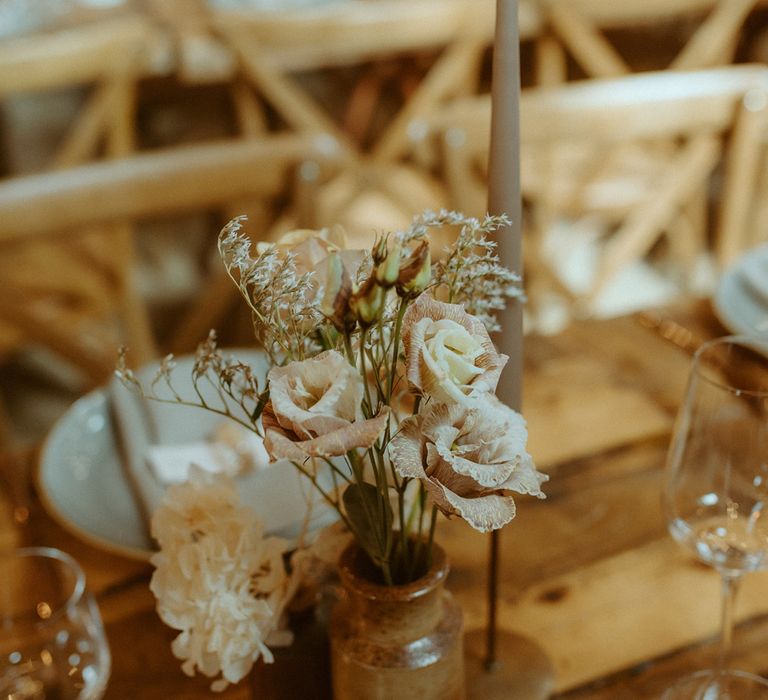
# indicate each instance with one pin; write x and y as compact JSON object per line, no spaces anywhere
{"x":589,"y":573}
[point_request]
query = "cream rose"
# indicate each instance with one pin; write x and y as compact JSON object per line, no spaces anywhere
{"x":449,"y":353}
{"x":315,"y":410}
{"x":470,"y":456}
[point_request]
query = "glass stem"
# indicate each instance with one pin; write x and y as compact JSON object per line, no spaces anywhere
{"x":729,"y":588}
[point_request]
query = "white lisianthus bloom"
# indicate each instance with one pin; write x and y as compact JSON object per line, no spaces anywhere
{"x":449,"y":354}
{"x":470,"y":456}
{"x":315,"y":409}
{"x":217,"y":579}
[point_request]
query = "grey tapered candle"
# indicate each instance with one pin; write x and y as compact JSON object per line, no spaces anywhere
{"x":504,"y":184}
{"x":504,"y":198}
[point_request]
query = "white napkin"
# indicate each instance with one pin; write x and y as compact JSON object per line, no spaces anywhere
{"x":170,"y":464}
{"x":134,"y":433}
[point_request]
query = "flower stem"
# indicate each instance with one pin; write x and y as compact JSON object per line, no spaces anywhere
{"x":418,"y":548}
{"x":395,"y":348}
{"x":376,"y":372}
{"x":373,"y":522}
{"x":432,"y":523}
{"x":403,"y":545}
{"x":422,"y":502}
{"x":334,"y":503}
{"x":386,"y":572}
{"x":364,"y":372}
{"x":212,"y":409}
{"x":348,"y":348}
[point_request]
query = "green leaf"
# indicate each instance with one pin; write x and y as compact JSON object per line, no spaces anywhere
{"x":370,"y":515}
{"x":259,"y":408}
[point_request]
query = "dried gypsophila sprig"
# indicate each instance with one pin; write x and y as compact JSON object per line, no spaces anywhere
{"x":231,"y":382}
{"x":471,"y":273}
{"x":285,"y":305}
{"x":422,"y":223}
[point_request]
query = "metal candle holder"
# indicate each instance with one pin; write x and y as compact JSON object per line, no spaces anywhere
{"x":501,"y":664}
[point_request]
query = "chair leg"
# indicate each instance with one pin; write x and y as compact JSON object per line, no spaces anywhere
{"x":6,"y":426}
{"x":551,"y":61}
{"x":740,"y":178}
{"x":642,"y":227}
{"x":687,"y":237}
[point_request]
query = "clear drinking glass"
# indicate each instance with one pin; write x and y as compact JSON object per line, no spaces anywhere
{"x":52,"y":642}
{"x":723,"y":684}
{"x":716,"y":484}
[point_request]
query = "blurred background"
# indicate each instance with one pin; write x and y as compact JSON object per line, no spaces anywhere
{"x":131,"y":131}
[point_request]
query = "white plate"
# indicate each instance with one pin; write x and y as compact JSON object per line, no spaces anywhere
{"x":83,"y":485}
{"x":754,"y":271}
{"x":737,"y":305}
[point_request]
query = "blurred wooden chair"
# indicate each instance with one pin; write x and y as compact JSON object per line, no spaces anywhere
{"x":274,"y":47}
{"x":70,"y":203}
{"x":66,"y":234}
{"x":50,"y":288}
{"x":707,"y":118}
{"x":582,"y":30}
{"x":578,"y":28}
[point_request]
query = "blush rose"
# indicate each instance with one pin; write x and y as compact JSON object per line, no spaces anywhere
{"x":470,"y":456}
{"x":315,"y":410}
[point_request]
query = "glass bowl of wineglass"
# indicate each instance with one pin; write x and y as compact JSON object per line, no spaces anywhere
{"x":52,"y":641}
{"x":716,"y":486}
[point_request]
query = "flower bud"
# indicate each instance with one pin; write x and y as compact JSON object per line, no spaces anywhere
{"x":388,"y":271}
{"x":416,"y":272}
{"x":335,"y":304}
{"x":367,"y":301}
{"x":379,"y":250}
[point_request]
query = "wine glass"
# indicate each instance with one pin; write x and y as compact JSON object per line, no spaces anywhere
{"x":727,"y":684}
{"x":52,"y":642}
{"x":716,"y":485}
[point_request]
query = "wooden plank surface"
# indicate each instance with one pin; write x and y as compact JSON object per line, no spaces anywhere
{"x":590,"y":573}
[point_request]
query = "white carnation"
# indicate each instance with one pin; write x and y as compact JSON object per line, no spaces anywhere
{"x":217,"y":579}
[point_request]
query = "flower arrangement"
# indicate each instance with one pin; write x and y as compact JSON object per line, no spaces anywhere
{"x":383,"y":378}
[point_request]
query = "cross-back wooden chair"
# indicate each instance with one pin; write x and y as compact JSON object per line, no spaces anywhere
{"x":62,"y":205}
{"x":66,"y":234}
{"x":273,"y":47}
{"x":581,"y":29}
{"x":708,"y":117}
{"x":578,"y":28}
{"x":78,"y":278}
{"x":270,"y":49}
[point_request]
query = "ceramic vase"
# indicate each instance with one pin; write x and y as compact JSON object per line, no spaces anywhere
{"x":403,"y":641}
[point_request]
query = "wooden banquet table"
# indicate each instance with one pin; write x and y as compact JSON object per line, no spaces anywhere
{"x":590,"y":573}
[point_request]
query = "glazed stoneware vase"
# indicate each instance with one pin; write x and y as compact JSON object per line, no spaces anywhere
{"x":399,"y":642}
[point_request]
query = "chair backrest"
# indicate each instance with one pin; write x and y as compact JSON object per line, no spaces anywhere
{"x":689,"y":113}
{"x":273,"y":47}
{"x":106,"y":57}
{"x":355,"y":31}
{"x":578,"y":28}
{"x":66,"y":234}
